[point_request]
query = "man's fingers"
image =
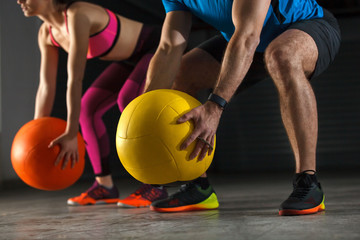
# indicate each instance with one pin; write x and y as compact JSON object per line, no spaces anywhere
{"x":189,"y":140}
{"x":203,"y":152}
{"x":198,"y":147}
{"x":212,"y":142}
{"x":207,"y":143}
{"x":184,"y":118}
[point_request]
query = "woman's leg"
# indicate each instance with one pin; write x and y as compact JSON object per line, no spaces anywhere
{"x":97,"y":100}
{"x":132,"y":88}
{"x":134,"y":85}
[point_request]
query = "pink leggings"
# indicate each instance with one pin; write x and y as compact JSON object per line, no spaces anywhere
{"x":119,"y":83}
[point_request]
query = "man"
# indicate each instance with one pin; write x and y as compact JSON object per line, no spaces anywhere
{"x":291,"y":40}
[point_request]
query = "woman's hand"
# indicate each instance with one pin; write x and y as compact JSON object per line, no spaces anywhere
{"x":68,"y":150}
{"x":206,"y":120}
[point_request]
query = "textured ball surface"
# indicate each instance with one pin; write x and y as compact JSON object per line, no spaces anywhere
{"x":33,"y":161}
{"x":148,"y":138}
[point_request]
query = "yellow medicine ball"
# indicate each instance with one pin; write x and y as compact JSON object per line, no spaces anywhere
{"x":148,"y":138}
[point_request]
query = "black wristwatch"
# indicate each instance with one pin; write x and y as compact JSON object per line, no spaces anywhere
{"x":218,"y":100}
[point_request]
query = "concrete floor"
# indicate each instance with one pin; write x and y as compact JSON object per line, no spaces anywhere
{"x":248,"y":210}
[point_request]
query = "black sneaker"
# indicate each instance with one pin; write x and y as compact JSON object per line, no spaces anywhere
{"x":190,"y":197}
{"x":306,"y":198}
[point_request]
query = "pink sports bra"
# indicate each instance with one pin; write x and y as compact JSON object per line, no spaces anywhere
{"x":102,"y":42}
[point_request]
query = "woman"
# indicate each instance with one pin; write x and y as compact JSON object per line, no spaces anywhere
{"x":85,"y":30}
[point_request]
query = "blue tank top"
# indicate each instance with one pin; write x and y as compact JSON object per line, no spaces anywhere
{"x":280,"y":15}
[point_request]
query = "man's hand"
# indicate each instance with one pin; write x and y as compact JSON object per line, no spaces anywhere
{"x":206,"y":120}
{"x":68,"y":150}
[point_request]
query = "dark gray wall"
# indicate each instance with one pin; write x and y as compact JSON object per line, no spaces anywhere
{"x":19,"y":76}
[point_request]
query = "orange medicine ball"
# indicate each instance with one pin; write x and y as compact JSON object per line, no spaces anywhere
{"x":33,"y":161}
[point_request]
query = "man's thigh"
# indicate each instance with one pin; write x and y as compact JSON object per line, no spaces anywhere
{"x":325,"y":34}
{"x":200,"y":67}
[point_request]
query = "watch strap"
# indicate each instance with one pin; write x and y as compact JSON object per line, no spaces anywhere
{"x":218,"y":100}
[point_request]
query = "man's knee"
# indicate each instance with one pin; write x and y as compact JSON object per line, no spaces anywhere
{"x":281,"y":59}
{"x":185,"y":85}
{"x":283,"y":65}
{"x":198,"y":70}
{"x":185,"y":80}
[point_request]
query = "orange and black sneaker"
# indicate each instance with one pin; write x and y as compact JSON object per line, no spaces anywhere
{"x":97,"y":194}
{"x":143,"y":196}
{"x":307,"y":196}
{"x":190,"y":197}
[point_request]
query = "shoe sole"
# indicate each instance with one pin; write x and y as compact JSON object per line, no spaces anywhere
{"x":210,"y":203}
{"x":123,"y":205}
{"x":294,"y":212}
{"x":181,"y":209}
{"x":99,"y":202}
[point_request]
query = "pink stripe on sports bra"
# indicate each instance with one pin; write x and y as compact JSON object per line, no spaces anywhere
{"x":56,"y":44}
{"x":102,"y":42}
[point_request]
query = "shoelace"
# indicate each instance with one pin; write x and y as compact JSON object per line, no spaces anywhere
{"x":185,"y":187}
{"x":142,"y":189}
{"x":99,"y":192}
{"x":300,"y":192}
{"x":302,"y":179}
{"x":153,"y":194}
{"x":188,"y":193}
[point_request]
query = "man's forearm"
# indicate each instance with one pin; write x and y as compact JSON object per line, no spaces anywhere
{"x":163,"y":69}
{"x":237,"y":60}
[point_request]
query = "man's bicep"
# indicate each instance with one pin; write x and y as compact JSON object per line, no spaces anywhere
{"x":176,"y":28}
{"x":173,"y":5}
{"x":249,"y":15}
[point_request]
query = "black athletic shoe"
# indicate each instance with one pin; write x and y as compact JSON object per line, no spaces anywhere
{"x":190,"y":197}
{"x":306,"y":198}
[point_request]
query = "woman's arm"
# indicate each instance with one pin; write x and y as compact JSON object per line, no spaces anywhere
{"x":79,"y":30}
{"x":48,"y":69}
{"x":166,"y":62}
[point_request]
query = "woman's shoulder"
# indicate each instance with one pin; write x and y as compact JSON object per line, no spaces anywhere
{"x":44,"y":30}
{"x":83,"y":7}
{"x":85,"y":12}
{"x":44,"y":37}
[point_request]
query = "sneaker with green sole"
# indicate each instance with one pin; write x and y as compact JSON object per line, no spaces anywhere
{"x":190,"y":197}
{"x":307,"y":196}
